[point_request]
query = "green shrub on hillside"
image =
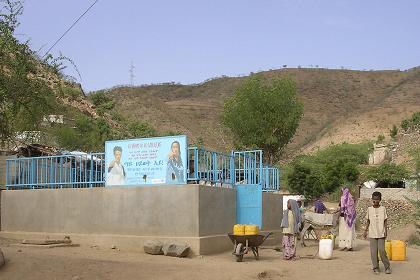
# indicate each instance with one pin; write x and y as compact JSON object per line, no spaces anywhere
{"x":412,"y":123}
{"x":88,"y":135}
{"x":393,"y":132}
{"x":326,"y":170}
{"x":140,"y":130}
{"x":102,"y":102}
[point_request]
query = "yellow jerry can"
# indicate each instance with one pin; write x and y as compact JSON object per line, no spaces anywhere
{"x":251,"y":230}
{"x":398,"y":250}
{"x":239,"y":229}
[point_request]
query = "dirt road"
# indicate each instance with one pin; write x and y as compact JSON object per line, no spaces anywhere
{"x":83,"y":263}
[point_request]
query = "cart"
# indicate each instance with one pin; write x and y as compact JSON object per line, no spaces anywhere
{"x":242,"y":244}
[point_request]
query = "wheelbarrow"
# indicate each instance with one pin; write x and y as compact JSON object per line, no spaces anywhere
{"x":242,"y":244}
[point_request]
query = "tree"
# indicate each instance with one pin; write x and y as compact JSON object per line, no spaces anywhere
{"x":263,"y":115}
{"x":25,"y":97}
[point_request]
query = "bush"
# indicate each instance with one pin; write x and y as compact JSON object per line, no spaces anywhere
{"x":139,"y":130}
{"x":326,"y":170}
{"x":102,"y":102}
{"x":412,"y":123}
{"x":87,"y":135}
{"x":387,"y":174}
{"x":393,"y":132}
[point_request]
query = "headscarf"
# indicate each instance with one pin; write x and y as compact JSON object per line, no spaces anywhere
{"x":347,"y":207}
{"x":319,"y":206}
{"x":296,"y":215}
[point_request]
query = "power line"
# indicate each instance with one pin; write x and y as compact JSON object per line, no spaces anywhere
{"x":74,"y":23}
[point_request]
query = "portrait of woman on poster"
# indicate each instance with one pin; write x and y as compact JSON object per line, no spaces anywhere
{"x":175,"y":168}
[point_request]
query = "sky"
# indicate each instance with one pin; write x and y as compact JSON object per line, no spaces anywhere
{"x":189,"y":41}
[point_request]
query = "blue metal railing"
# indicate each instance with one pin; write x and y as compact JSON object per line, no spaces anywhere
{"x":88,"y":170}
{"x":210,"y":166}
{"x":248,"y":167}
{"x":62,"y":171}
{"x":270,"y":178}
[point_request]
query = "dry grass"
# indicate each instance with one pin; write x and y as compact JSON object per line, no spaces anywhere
{"x":340,"y":105}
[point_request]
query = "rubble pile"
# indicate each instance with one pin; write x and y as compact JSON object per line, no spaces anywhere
{"x":400,"y":212}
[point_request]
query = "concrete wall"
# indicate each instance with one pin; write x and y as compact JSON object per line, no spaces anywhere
{"x":272,"y":210}
{"x":164,"y":210}
{"x":391,"y":193}
{"x":198,"y":215}
{"x":217,"y":210}
{"x":272,"y":214}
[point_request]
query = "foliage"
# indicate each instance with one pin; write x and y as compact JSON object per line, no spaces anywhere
{"x":88,"y":134}
{"x":380,"y":139}
{"x":327,"y":170}
{"x":393,"y":132}
{"x":102,"y":102}
{"x":139,"y":130}
{"x":412,"y":123}
{"x":263,"y":115}
{"x":72,"y":92}
{"x":25,"y":97}
{"x":387,"y":174}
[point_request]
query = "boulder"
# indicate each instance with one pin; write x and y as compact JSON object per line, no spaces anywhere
{"x":176,"y":250}
{"x":153,"y":247}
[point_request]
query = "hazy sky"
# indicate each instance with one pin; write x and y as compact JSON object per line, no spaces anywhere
{"x":189,"y":41}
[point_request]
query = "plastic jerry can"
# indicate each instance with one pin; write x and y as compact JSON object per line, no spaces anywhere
{"x":251,"y":230}
{"x":398,"y":250}
{"x":326,"y":247}
{"x":239,"y":229}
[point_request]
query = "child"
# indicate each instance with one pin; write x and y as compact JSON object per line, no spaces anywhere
{"x":376,"y":226}
{"x":290,"y":223}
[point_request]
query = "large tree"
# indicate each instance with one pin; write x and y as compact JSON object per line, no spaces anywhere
{"x":25,"y":96}
{"x":263,"y":114}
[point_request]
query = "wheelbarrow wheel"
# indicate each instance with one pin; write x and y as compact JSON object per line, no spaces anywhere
{"x":239,"y":252}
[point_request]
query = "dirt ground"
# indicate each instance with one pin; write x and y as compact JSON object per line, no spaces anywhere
{"x":80,"y":263}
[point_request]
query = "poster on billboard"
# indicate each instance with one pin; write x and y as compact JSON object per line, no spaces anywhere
{"x":146,"y":161}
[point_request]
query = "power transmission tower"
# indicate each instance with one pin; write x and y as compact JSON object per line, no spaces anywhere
{"x":132,"y":74}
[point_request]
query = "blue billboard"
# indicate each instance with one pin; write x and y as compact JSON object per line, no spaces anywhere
{"x":146,"y":161}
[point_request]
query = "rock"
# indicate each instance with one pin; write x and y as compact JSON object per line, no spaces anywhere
{"x":113,"y":247}
{"x":19,"y":251}
{"x":2,"y":260}
{"x":153,"y":247}
{"x":176,"y":250}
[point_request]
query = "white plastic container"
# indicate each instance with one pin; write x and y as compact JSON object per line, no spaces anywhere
{"x":326,"y":247}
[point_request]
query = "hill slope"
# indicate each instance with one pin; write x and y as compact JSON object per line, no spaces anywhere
{"x":339,"y":105}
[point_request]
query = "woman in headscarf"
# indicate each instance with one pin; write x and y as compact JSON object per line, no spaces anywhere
{"x":174,"y":167}
{"x":290,"y":223}
{"x":346,"y":230}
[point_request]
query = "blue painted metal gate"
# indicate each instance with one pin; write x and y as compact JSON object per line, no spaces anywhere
{"x":248,"y":183}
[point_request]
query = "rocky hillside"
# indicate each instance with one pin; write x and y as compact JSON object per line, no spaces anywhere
{"x":339,"y":105}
